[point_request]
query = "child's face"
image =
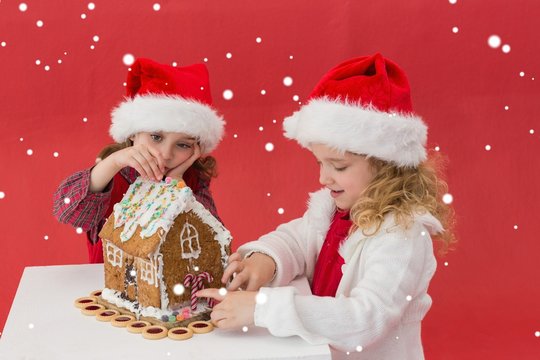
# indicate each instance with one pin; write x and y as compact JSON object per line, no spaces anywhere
{"x":174,"y":148}
{"x":346,"y":175}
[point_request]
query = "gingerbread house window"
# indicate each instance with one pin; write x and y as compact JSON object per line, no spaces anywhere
{"x":114,"y":255}
{"x":189,"y":241}
{"x":148,"y":272}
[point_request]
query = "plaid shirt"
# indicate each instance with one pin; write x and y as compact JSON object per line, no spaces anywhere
{"x":88,"y":210}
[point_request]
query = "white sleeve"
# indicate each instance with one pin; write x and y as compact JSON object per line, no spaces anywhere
{"x":393,"y":271}
{"x":288,"y":246}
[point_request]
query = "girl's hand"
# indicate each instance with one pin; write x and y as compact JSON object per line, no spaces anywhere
{"x":148,"y":164}
{"x":178,"y":172}
{"x":250,"y":273}
{"x":234,"y":310}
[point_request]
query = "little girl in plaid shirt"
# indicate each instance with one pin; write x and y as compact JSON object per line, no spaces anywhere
{"x":161,"y":130}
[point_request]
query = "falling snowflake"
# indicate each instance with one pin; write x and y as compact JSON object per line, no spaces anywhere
{"x":280,"y":211}
{"x":261,"y":298}
{"x":258,"y":40}
{"x":91,"y":6}
{"x":178,"y":289}
{"x":447,"y":198}
{"x":156,"y":7}
{"x":287,"y":81}
{"x":494,"y":41}
{"x":228,"y":55}
{"x":95,"y":38}
{"x":506,"y":48}
{"x":39,"y":23}
{"x":23,"y":7}
{"x":228,"y":94}
{"x":488,"y":147}
{"x":2,"y":194}
{"x":269,"y":147}
{"x":128,"y":59}
{"x":79,"y":230}
{"x":29,"y":152}
{"x":222,"y":291}
{"x":455,"y":30}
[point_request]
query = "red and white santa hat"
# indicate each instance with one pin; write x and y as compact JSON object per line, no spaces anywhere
{"x":363,"y":106}
{"x":170,"y":99}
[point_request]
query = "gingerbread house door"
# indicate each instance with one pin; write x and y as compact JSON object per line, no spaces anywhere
{"x":130,"y":281}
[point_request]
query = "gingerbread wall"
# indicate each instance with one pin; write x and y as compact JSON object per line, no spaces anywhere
{"x":62,"y":70}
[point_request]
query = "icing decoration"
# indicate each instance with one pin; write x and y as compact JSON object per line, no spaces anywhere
{"x":189,"y":242}
{"x":151,"y":206}
{"x":195,"y":282}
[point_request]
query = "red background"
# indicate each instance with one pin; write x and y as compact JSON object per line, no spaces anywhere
{"x":486,"y":297}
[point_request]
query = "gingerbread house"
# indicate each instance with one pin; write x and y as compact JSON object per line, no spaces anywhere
{"x":160,"y":246}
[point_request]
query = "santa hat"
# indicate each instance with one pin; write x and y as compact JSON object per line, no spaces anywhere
{"x":362,"y":106}
{"x":171,"y":99}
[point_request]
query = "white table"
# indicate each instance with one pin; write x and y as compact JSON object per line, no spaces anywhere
{"x":44,"y":324}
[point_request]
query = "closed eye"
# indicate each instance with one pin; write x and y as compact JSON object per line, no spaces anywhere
{"x":184,"y":145}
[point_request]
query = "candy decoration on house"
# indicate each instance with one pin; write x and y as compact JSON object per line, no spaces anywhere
{"x":195,"y":282}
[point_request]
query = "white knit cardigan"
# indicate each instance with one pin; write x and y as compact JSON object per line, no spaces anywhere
{"x":381,"y":299}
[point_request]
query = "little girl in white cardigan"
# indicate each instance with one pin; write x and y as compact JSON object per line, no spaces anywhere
{"x":364,"y":242}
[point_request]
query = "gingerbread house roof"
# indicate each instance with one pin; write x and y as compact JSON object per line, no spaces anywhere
{"x":140,"y":222}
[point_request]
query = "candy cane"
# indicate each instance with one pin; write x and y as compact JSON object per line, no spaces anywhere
{"x":189,"y":281}
{"x":205,"y":275}
{"x":196,"y":284}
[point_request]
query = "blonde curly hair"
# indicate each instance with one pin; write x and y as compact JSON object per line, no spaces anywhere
{"x":404,"y":191}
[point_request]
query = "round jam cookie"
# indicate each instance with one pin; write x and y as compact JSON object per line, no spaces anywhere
{"x":106,"y":315}
{"x":137,"y":326}
{"x":121,"y":320}
{"x":96,"y":293}
{"x":83,"y":301}
{"x":154,"y":332}
{"x":201,"y":327}
{"x":180,"y":333}
{"x":92,"y":309}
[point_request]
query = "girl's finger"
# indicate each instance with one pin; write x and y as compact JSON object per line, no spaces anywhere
{"x":210,"y":293}
{"x":152,"y":164}
{"x":237,"y":282}
{"x":234,"y":257}
{"x":232,"y":268}
{"x":160,"y":161}
{"x":140,"y":163}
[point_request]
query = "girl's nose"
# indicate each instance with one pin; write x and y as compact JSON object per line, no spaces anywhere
{"x":324,"y":179}
{"x":166,"y":152}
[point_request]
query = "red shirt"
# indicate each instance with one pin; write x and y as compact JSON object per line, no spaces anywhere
{"x":90,"y":210}
{"x":328,"y":272}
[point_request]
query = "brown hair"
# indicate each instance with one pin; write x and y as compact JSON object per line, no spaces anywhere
{"x":206,"y":166}
{"x":404,"y":191}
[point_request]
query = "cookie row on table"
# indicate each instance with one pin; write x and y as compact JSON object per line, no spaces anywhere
{"x":89,"y":306}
